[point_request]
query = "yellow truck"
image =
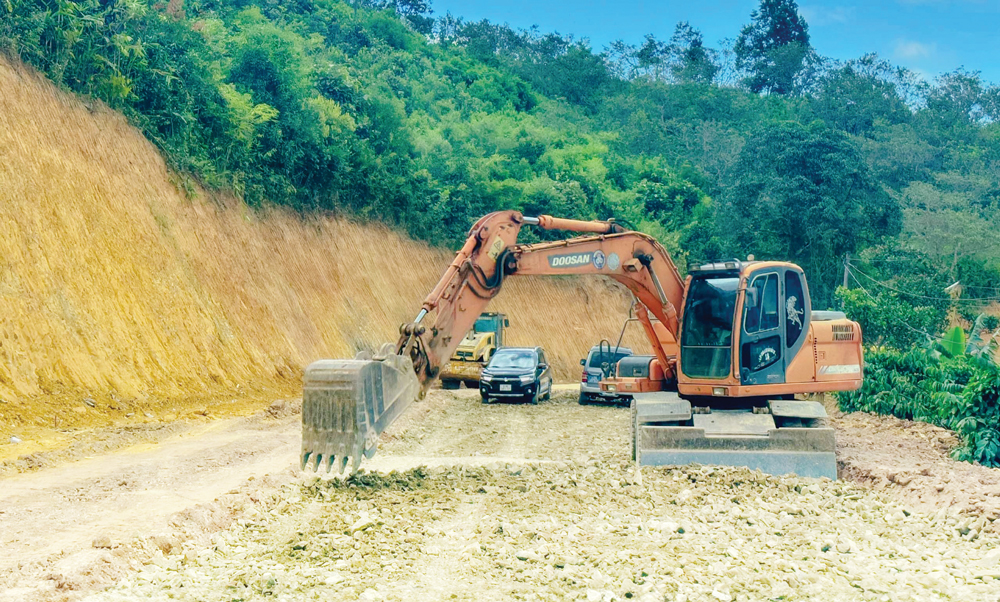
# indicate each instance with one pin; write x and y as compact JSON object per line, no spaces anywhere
{"x":474,"y":352}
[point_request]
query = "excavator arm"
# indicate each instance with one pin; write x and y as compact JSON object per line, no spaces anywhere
{"x":491,"y":254}
{"x":348,"y":403}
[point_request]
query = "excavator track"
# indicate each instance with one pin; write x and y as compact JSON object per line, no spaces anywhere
{"x":788,"y":438}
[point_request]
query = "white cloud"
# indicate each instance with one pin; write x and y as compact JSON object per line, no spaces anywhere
{"x":826,"y":15}
{"x":910,"y":49}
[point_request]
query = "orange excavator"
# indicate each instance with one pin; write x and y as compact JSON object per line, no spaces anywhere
{"x":732,"y":344}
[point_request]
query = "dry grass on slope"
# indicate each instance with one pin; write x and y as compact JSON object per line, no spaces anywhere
{"x":116,"y":286}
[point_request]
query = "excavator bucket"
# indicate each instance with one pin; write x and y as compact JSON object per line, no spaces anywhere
{"x":346,"y":404}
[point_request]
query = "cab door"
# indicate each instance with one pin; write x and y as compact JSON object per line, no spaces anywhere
{"x":762,"y":336}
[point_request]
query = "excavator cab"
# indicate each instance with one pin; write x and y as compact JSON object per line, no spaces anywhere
{"x":748,"y":331}
{"x":773,"y":317}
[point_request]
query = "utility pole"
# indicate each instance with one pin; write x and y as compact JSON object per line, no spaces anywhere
{"x":847,"y":267}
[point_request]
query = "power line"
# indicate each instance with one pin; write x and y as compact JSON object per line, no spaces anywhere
{"x":888,"y":260}
{"x":885,"y":261}
{"x":853,"y":268}
{"x":872,"y":297}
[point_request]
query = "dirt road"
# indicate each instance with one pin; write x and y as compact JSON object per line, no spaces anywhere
{"x":518,"y":502}
{"x":85,"y":523}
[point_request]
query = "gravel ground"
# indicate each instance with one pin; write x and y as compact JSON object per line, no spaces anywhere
{"x":539,"y":503}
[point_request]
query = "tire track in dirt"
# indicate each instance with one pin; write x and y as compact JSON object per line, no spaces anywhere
{"x":72,"y":526}
{"x":434,"y":573}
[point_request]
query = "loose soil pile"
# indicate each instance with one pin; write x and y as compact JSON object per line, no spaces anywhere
{"x":572,"y":519}
{"x":911,"y":460}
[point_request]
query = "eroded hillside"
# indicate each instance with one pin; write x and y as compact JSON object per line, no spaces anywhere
{"x":117,"y":286}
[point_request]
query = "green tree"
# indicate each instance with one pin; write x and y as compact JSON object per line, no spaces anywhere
{"x":899,"y":154}
{"x":773,"y":48}
{"x":690,"y":61}
{"x":895,"y":293}
{"x":961,"y":99}
{"x":652,"y":58}
{"x":860,"y":93}
{"x":942,"y":224}
{"x":803,"y":193}
{"x":891,"y":320}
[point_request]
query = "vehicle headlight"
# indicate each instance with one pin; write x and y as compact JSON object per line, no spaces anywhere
{"x":527,"y":378}
{"x":485,"y":377}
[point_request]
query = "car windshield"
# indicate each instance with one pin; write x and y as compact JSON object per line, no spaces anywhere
{"x":513,"y":359}
{"x":599,"y":358}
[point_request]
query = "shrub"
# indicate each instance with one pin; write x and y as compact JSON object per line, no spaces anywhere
{"x":961,"y":393}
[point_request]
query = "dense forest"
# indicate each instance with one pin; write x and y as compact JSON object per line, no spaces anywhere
{"x":382,"y":110}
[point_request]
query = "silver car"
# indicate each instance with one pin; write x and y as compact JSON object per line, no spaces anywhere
{"x":599,"y":364}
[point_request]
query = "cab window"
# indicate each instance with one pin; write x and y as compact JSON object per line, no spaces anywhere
{"x":707,"y":331}
{"x":764,"y":316}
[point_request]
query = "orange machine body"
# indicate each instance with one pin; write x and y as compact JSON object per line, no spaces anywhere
{"x":730,"y":330}
{"x":806,"y":351}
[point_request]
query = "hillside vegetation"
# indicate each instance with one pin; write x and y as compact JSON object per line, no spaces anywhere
{"x":117,"y":287}
{"x":382,"y":110}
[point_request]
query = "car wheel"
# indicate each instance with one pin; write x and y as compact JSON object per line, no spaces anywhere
{"x":584,"y":399}
{"x":450,"y":384}
{"x":486,"y":399}
{"x":548,"y":393}
{"x":533,"y":399}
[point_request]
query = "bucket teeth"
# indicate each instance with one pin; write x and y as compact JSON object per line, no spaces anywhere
{"x":346,"y":404}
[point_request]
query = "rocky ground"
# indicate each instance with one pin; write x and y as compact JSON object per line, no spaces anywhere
{"x":511,"y":502}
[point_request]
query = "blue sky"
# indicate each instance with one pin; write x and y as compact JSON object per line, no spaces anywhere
{"x":928,"y":36}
